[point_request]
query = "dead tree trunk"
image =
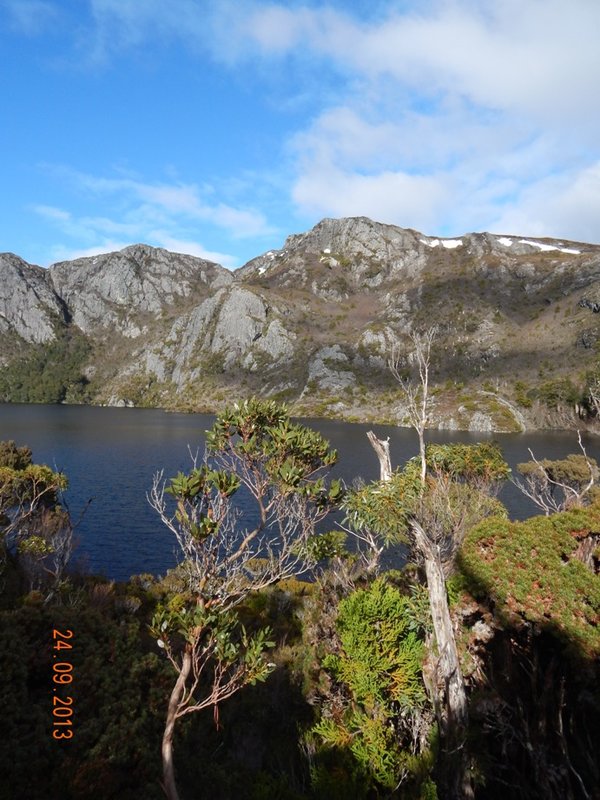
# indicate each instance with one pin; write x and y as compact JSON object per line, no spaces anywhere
{"x":450,"y":698}
{"x":382,"y":450}
{"x":449,"y":664}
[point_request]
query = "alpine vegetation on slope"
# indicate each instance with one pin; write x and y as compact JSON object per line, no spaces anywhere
{"x":314,"y":323}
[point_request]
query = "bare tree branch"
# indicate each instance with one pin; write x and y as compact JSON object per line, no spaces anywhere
{"x":550,"y":494}
{"x":416,"y":393}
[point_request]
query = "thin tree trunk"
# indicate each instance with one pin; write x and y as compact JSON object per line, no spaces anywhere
{"x":454,"y":721}
{"x":422,"y":451}
{"x":170,"y":786}
{"x":449,"y":664}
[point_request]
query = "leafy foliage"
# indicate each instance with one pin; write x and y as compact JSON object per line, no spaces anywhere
{"x":290,"y":456}
{"x":559,"y":392}
{"x":379,"y":667}
{"x":218,"y":638}
{"x":382,"y":653}
{"x":280,"y":466}
{"x":387,"y":508}
{"x":34,"y":484}
{"x":574,"y":469}
{"x":326,"y":546}
{"x":117,"y":700}
{"x":480,"y":463}
{"x":14,"y":457}
{"x":561,"y":483}
{"x":36,"y":529}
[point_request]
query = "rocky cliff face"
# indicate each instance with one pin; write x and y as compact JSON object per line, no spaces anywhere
{"x":119,"y":291}
{"x":313,"y":323}
{"x":29,"y":307}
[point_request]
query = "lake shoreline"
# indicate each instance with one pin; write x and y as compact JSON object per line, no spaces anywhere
{"x":479,"y":423}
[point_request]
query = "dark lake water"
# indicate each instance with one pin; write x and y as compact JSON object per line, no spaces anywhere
{"x":111,"y":455}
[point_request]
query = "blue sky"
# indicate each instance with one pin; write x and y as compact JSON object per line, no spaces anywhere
{"x":216,"y":128}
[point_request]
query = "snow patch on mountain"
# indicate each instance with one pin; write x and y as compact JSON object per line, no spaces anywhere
{"x":449,"y":244}
{"x":548,"y":247}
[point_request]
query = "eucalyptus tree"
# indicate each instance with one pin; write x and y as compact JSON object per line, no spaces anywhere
{"x":278,"y":469}
{"x":430,"y":505}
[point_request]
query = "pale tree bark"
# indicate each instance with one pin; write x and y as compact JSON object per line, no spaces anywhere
{"x":416,"y":394}
{"x":448,"y":687}
{"x":169,"y":784}
{"x":453,"y":718}
{"x":594,"y":395}
{"x":449,"y":668}
{"x":382,"y":449}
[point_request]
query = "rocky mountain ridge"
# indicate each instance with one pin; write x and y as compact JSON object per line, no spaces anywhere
{"x":313,"y":323}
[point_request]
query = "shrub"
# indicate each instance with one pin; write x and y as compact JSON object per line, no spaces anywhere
{"x":378,"y":667}
{"x":532,"y":573}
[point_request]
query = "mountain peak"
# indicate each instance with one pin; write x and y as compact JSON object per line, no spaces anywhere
{"x":313,"y":323}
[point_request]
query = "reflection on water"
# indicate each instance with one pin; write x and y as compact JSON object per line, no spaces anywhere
{"x":111,"y":455}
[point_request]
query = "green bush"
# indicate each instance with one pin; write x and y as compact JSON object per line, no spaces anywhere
{"x":523,"y":394}
{"x":558,"y":392}
{"x":378,"y":669}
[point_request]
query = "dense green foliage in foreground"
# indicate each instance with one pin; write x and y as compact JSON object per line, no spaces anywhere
{"x":346,"y":711}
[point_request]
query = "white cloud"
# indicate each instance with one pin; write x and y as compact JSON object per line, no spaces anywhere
{"x":161,"y":202}
{"x":162,"y":215}
{"x":123,"y":24}
{"x":449,"y":115}
{"x":192,"y":248}
{"x":393,"y":197}
{"x":64,"y":253}
{"x":87,"y":228}
{"x":535,"y":56}
{"x":52,"y":213}
{"x":557,"y":206}
{"x":484,"y":115}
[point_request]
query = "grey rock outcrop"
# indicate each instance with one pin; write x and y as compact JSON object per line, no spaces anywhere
{"x":277,"y":342}
{"x":190,"y":336}
{"x":29,"y":307}
{"x":330,"y":369}
{"x":336,"y":258}
{"x":240,"y":322}
{"x":119,"y":290}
